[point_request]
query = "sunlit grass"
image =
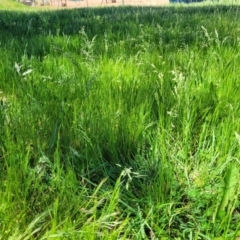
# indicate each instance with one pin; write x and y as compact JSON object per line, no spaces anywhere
{"x":11,"y":5}
{"x":123,"y":125}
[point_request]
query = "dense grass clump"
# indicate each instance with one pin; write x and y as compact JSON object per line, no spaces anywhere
{"x":120,"y":123}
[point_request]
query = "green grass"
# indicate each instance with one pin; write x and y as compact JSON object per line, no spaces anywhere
{"x":120,"y":123}
{"x":11,"y":5}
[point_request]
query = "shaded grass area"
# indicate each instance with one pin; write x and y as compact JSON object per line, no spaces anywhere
{"x":120,"y":123}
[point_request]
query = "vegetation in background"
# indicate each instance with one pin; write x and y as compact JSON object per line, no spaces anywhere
{"x":11,"y":4}
{"x":120,"y":123}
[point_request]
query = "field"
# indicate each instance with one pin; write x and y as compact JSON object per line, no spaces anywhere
{"x":11,"y":4}
{"x":120,"y":123}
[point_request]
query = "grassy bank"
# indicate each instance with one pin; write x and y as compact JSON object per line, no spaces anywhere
{"x":11,"y":5}
{"x":120,"y":123}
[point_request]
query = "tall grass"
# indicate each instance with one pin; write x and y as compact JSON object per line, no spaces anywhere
{"x":120,"y":123}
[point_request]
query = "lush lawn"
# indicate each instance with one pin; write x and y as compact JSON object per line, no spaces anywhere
{"x":120,"y":123}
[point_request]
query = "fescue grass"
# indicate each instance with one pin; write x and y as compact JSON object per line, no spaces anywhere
{"x":120,"y":123}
